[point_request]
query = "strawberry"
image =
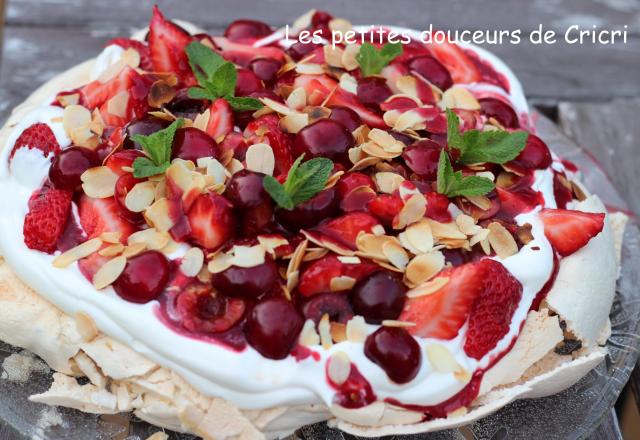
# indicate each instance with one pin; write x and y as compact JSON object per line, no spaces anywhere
{"x":438,"y":207}
{"x":568,"y":230}
{"x":38,"y":136}
{"x":212,"y":220}
{"x":235,"y":143}
{"x":103,"y":215}
{"x":220,"y":120}
{"x":123,"y":159}
{"x":266,"y":129}
{"x":97,"y":93}
{"x":457,"y":62}
{"x":47,"y":217}
{"x":317,"y":87}
{"x":88,"y":266}
{"x":243,"y":54}
{"x":345,"y":229}
{"x":492,"y":311}
{"x":442,"y":313}
{"x":385,"y":207}
{"x":139,"y":46}
{"x":317,"y":277}
{"x":351,"y":181}
{"x":167,"y":43}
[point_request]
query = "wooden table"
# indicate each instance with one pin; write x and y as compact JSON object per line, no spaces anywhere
{"x":592,"y":91}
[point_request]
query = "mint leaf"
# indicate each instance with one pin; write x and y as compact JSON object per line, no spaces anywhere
{"x":454,"y":183}
{"x":475,"y":146}
{"x":157,"y":146}
{"x":304,"y":181}
{"x":242,"y":104}
{"x":203,"y":61}
{"x":373,"y":60}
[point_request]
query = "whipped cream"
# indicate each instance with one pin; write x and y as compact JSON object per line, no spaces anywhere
{"x":108,"y":57}
{"x":245,"y":378}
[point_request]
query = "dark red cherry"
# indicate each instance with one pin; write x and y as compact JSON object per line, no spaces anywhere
{"x":121,"y":161}
{"x":144,"y":127}
{"x":324,"y":138}
{"x":500,"y":111}
{"x":191,"y":144}
{"x":247,"y":29}
{"x":68,"y":166}
{"x":299,"y":50}
{"x":333,"y":304}
{"x":201,"y":309}
{"x":247,"y":282}
{"x":245,"y":190}
{"x":248,"y":83}
{"x":395,"y":351}
{"x":307,"y":214}
{"x":266,"y":68}
{"x":379,"y":296}
{"x":184,"y":106}
{"x":320,"y":18}
{"x":144,"y":277}
{"x":372,"y":91}
{"x":535,"y":156}
{"x":431,"y":69}
{"x":422,"y":158}
{"x":272,"y":327}
{"x":124,"y":184}
{"x":352,"y":180}
{"x":347,"y":117}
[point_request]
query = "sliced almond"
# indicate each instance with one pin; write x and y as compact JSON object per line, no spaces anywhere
{"x":272,"y":242}
{"x":180,"y":174}
{"x":396,"y":323}
{"x":309,"y":69}
{"x":248,"y":256}
{"x":324,"y":330}
{"x":467,"y":224}
{"x":333,"y":55}
{"x":341,"y":283}
{"x":152,"y":238}
{"x":396,"y":254}
{"x":117,"y":105}
{"x":296,"y":257}
{"x":74,"y":117}
{"x":388,"y":182}
{"x":339,"y":368}
{"x":349,"y":260}
{"x":429,"y":287}
{"x":297,"y":99}
{"x":260,"y":158}
{"x":481,"y":202}
{"x":441,"y":359}
{"x":420,"y":236}
{"x":356,"y":329}
{"x":445,"y":230}
{"x":412,"y":211}
{"x":109,"y":272}
{"x":348,"y":83}
{"x":74,"y":254}
{"x":308,"y":335}
{"x":424,"y":267}
{"x":276,"y":106}
{"x":220,"y":262}
{"x":459,"y":97}
{"x":134,"y":249}
{"x":201,"y":120}
{"x":157,"y":215}
{"x":111,"y":237}
{"x":140,"y":197}
{"x":99,"y":182}
{"x":501,"y":240}
{"x":160,"y":93}
{"x":349,"y":60}
{"x":192,"y":262}
{"x":294,"y":122}
{"x":112,"y":251}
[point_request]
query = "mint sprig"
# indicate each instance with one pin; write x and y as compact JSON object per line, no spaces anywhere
{"x":158,"y":148}
{"x":453,"y":184}
{"x":304,"y":181}
{"x":217,"y":78}
{"x":475,"y":146}
{"x":373,"y":60}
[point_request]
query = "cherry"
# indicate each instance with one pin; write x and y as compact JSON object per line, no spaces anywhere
{"x":350,"y":181}
{"x":240,"y":30}
{"x":248,"y":83}
{"x":438,"y":207}
{"x":124,"y":184}
{"x":191,"y":144}
{"x":266,"y":69}
{"x":247,"y":194}
{"x":272,"y":327}
{"x":144,"y":127}
{"x":324,"y":138}
{"x":333,"y":304}
{"x":422,"y":158}
{"x":536,"y":155}
{"x":500,"y":111}
{"x":372,"y":91}
{"x":201,"y":309}
{"x":184,"y":106}
{"x":299,"y":50}
{"x":347,"y":117}
{"x":379,"y":296}
{"x":431,"y":69}
{"x":68,"y":166}
{"x":249,"y":282}
{"x":561,"y":192}
{"x":144,"y":277}
{"x":123,"y":159}
{"x":395,"y":351}
{"x":310,"y":213}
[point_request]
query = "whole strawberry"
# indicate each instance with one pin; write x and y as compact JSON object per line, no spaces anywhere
{"x":44,"y":223}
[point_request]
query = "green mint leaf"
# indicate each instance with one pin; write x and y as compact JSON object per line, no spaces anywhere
{"x":203,"y":61}
{"x":277,"y":192}
{"x":223,"y":81}
{"x":200,"y":93}
{"x":454,"y":139}
{"x":243,"y":104}
{"x":454,"y":183}
{"x":157,"y":146}
{"x":144,"y":167}
{"x":372,"y":60}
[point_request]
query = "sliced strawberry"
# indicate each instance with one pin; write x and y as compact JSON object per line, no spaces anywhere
{"x":345,"y":229}
{"x":235,"y":143}
{"x":167,"y":43}
{"x":385,"y":207}
{"x":220,"y":120}
{"x":201,"y":310}
{"x":97,"y":93}
{"x":266,"y":129}
{"x":317,"y":277}
{"x":47,"y":217}
{"x":123,"y":159}
{"x":462,"y":68}
{"x":243,"y":54}
{"x":492,"y":311}
{"x":342,"y":97}
{"x":103,"y":215}
{"x":139,"y":46}
{"x":520,"y":201}
{"x":39,"y":136}
{"x":351,"y":181}
{"x":317,"y":87}
{"x":568,"y":230}
{"x":212,"y":220}
{"x":438,"y":207}
{"x":441,"y":314}
{"x":90,"y":265}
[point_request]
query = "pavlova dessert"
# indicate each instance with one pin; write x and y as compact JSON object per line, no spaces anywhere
{"x":238,"y":235}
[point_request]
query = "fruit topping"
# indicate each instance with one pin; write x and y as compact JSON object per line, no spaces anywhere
{"x":396,"y":352}
{"x":144,"y":277}
{"x":535,"y":156}
{"x":500,"y":111}
{"x":272,"y":327}
{"x":379,"y":296}
{"x":145,"y":127}
{"x":47,"y":217}
{"x":102,"y":215}
{"x":212,"y":220}
{"x":167,"y":43}
{"x":192,"y":144}
{"x":422,"y":158}
{"x":309,"y":213}
{"x":324,"y":138}
{"x":432,"y":70}
{"x":568,"y":231}
{"x":68,"y":166}
{"x":327,"y":273}
{"x":247,"y":282}
{"x":346,"y":117}
{"x":335,"y":305}
{"x":37,"y":136}
{"x":202,"y":310}
{"x":247,"y":30}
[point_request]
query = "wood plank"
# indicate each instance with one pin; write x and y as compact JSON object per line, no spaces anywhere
{"x":610,"y":131}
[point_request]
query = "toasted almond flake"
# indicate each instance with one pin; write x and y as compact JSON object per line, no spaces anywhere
{"x":408,"y":86}
{"x":333,"y":55}
{"x":395,"y":323}
{"x":349,"y":260}
{"x":420,"y":236}
{"x":234,"y":166}
{"x":428,"y":287}
{"x":405,"y":121}
{"x":524,"y":233}
{"x":467,"y":224}
{"x":309,"y":69}
{"x":134,"y":249}
{"x":348,"y":83}
{"x":140,"y":197}
{"x":445,"y":230}
{"x":371,"y":245}
{"x":373,"y":149}
{"x":111,"y":237}
{"x":152,"y":238}
{"x":70,"y":99}
{"x":338,"y":332}
{"x":364,"y":163}
{"x":486,"y":247}
{"x":506,"y":179}
{"x":109,"y":272}
{"x":315,"y":254}
{"x":308,"y":335}
{"x":441,"y":359}
{"x":324,"y":330}
{"x":481,"y":202}
{"x":487,"y":175}
{"x":272,"y":242}
{"x":412,"y":211}
{"x":333,"y":180}
{"x":99,"y":182}
{"x":396,"y":254}
{"x":276,"y":106}
{"x":74,"y":117}
{"x":216,"y":170}
{"x":117,"y":105}
{"x":356,"y":329}
{"x":341,"y":283}
{"x":201,"y":120}
{"x":349,"y":60}
{"x":481,"y":235}
{"x":378,"y":230}
{"x":328,"y":244}
{"x":424,"y":267}
{"x":382,"y":138}
{"x":296,"y":257}
{"x":74,"y":254}
{"x":180,"y":174}
{"x":455,"y":243}
{"x":297,"y":99}
{"x":157,"y":215}
{"x":388,"y":182}
{"x":459,"y":97}
{"x":220,"y":262}
{"x":160,"y":93}
{"x":292,"y":280}
{"x":192,"y":262}
{"x":501,"y":240}
{"x":112,"y":251}
{"x":294,"y":122}
{"x":248,"y":256}
{"x":316,"y":113}
{"x":260,"y":158}
{"x":339,"y":368}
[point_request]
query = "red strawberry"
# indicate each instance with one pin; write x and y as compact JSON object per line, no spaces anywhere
{"x":243,"y":54}
{"x":457,"y":62}
{"x":103,"y":215}
{"x":492,"y":311}
{"x":37,"y":136}
{"x":97,"y":93}
{"x":212,"y":221}
{"x":438,"y":207}
{"x":220,"y":120}
{"x":167,"y":42}
{"x":266,"y":129}
{"x":385,"y":207}
{"x":442,"y":313}
{"x":236,"y":143}
{"x":90,"y":265}
{"x":345,"y":229}
{"x":317,"y":277}
{"x":568,"y":230}
{"x":351,"y":181}
{"x":47,"y":217}
{"x":139,"y":46}
{"x":317,"y":87}
{"x":123,"y":158}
